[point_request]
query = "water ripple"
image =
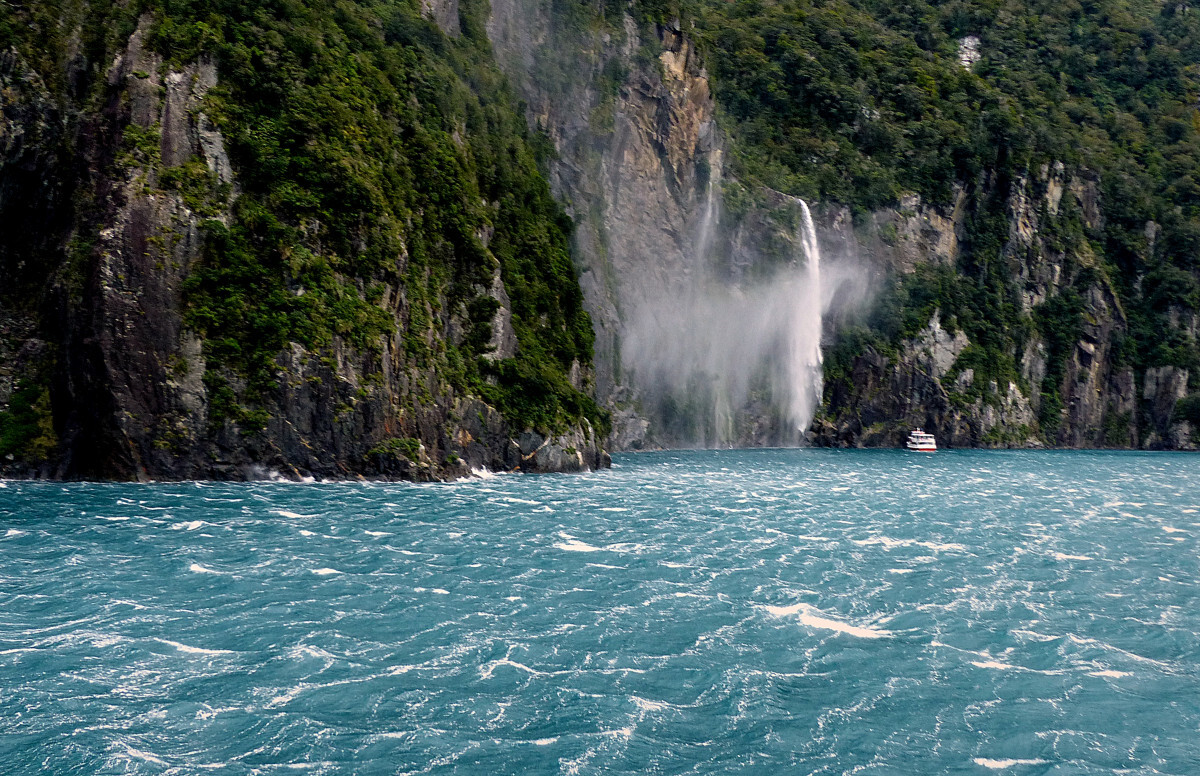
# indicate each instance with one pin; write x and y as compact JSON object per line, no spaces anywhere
{"x":821,"y":612}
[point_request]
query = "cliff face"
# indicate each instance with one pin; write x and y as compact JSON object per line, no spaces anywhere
{"x":1075,"y":393}
{"x":640,"y":166}
{"x":629,"y":110}
{"x":119,"y":180}
{"x":177,"y":306}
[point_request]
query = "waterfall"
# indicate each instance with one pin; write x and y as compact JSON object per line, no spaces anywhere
{"x":722,"y":431}
{"x":723,"y":356}
{"x":804,"y":365}
{"x":711,"y":217}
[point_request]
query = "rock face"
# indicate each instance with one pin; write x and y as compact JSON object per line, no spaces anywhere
{"x":100,"y":375}
{"x":94,"y":347}
{"x":632,"y":118}
{"x":1099,"y":401}
{"x":920,"y":388}
{"x":630,"y":110}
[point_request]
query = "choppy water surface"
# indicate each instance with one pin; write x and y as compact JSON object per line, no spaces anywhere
{"x":708,"y":612}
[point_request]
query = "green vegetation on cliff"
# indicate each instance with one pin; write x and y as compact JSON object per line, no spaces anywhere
{"x":384,"y":178}
{"x":376,"y":152}
{"x":860,"y":101}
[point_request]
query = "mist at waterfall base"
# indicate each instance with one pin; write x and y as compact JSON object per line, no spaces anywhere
{"x":723,"y":362}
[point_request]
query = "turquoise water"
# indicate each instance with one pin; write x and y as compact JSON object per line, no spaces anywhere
{"x":757,"y":612}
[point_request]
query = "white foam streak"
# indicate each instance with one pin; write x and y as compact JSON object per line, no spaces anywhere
{"x":571,"y":544}
{"x":304,"y":650}
{"x":648,"y":705}
{"x":993,"y":664}
{"x":574,"y":545}
{"x":1109,"y":647}
{"x":132,"y":753}
{"x":195,"y":650}
{"x":999,"y":765}
{"x":890,"y":543}
{"x":486,"y":671}
{"x":814,"y":618}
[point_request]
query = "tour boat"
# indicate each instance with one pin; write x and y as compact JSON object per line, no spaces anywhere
{"x":921,"y":442}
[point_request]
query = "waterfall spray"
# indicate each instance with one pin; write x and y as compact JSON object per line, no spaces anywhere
{"x":723,"y":361}
{"x":804,"y":365}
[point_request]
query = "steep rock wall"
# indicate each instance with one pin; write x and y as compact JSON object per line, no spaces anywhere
{"x":631,"y":112}
{"x":97,"y":360}
{"x":1098,"y":401}
{"x":641,"y":168}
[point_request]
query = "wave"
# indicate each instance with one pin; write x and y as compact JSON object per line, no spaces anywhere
{"x":304,"y":650}
{"x":1065,"y":556}
{"x":486,"y":671}
{"x":1082,"y":641}
{"x":648,"y":705}
{"x":574,"y":545}
{"x":133,"y":753}
{"x":993,"y":664}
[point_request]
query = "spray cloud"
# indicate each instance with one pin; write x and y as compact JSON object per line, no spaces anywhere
{"x":728,"y":362}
